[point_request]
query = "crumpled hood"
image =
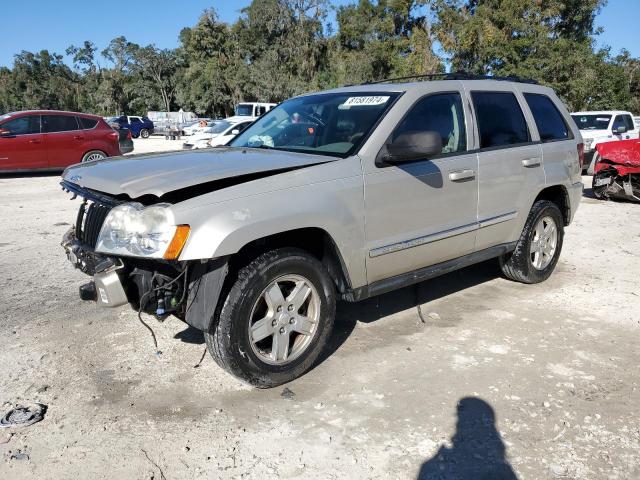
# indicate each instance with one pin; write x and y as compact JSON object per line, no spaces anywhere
{"x":623,"y":152}
{"x":161,"y":173}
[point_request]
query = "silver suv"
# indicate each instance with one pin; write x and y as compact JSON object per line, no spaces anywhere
{"x":342,"y":194}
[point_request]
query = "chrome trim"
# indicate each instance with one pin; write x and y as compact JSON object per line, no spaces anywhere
{"x":434,"y":237}
{"x":487,"y":222}
{"x":416,"y":242}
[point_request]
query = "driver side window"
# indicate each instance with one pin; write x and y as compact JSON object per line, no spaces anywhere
{"x":619,"y":122}
{"x":441,"y":113}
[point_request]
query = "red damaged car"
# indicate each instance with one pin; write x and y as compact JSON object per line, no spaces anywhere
{"x":617,"y":170}
{"x":52,"y":140}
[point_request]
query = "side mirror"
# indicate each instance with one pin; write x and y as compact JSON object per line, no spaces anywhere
{"x":620,"y":130}
{"x":410,"y":146}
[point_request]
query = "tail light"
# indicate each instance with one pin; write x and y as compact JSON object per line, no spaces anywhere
{"x":581,"y":154}
{"x":129,"y":137}
{"x":115,"y":135}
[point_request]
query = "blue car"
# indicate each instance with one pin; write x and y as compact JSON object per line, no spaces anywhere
{"x":138,"y":126}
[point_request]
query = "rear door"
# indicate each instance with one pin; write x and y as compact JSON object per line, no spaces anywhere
{"x":64,"y":140}
{"x":21,"y":144}
{"x":559,"y":148}
{"x":510,"y":165}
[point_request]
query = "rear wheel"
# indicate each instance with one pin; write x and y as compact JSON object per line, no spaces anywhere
{"x":538,"y":249}
{"x":275,"y":320}
{"x":93,"y":155}
{"x":144,"y":133}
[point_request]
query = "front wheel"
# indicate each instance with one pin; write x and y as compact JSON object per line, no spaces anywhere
{"x":275,"y":320}
{"x":538,"y":249}
{"x":144,"y":133}
{"x":93,"y":155}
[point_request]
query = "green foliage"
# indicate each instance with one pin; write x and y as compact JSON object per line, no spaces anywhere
{"x":280,"y":48}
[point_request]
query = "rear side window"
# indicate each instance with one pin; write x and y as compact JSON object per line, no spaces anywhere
{"x":22,"y":125}
{"x":548,"y":119}
{"x":135,"y":120}
{"x":59,"y":123}
{"x":500,"y":119}
{"x":87,"y":123}
{"x":441,"y":113}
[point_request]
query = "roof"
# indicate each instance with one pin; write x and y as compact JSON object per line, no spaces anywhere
{"x":49,"y":112}
{"x":434,"y":84}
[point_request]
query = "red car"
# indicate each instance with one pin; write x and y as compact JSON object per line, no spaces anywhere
{"x":617,"y":170}
{"x":52,"y":140}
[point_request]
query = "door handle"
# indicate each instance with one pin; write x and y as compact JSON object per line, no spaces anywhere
{"x":531,"y":162}
{"x":460,"y":175}
{"x":78,"y":137}
{"x":34,"y":141}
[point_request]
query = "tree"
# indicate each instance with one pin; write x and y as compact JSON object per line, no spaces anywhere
{"x":157,"y":68}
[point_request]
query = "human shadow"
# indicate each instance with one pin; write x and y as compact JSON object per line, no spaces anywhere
{"x":477,"y":451}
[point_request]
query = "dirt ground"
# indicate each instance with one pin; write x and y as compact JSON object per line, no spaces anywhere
{"x":460,"y":375}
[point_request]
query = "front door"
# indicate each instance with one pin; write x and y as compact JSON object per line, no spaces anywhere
{"x":423,"y":212}
{"x":21,"y":144}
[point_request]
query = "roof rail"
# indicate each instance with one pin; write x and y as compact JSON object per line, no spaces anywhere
{"x":454,"y":76}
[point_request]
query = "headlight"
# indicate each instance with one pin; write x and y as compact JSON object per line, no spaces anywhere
{"x":131,"y":229}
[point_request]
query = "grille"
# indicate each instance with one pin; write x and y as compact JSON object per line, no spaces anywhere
{"x":90,"y":219}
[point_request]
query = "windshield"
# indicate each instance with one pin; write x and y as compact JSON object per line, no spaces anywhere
{"x":326,"y":124}
{"x":220,"y":127}
{"x":244,"y":110}
{"x":592,"y":122}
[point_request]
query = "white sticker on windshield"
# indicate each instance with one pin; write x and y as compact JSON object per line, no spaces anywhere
{"x":364,"y":101}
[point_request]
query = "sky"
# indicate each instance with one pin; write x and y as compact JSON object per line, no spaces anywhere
{"x":54,"y":25}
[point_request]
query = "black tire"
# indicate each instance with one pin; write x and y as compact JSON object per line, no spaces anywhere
{"x":93,"y":155}
{"x":228,"y":342}
{"x":144,"y":133}
{"x":518,"y":265}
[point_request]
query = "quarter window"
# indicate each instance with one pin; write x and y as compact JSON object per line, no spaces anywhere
{"x":59,"y":123}
{"x":549,"y":121}
{"x":87,"y":123}
{"x":441,"y":113}
{"x":22,"y":125}
{"x":500,"y":119}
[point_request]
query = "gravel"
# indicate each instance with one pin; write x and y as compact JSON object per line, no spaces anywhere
{"x":538,"y":381}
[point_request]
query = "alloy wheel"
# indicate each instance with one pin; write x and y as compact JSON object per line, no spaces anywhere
{"x":544,"y":243}
{"x":284,"y":320}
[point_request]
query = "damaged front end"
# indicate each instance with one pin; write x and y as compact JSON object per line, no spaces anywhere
{"x":155,"y":286}
{"x":617,"y":171}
